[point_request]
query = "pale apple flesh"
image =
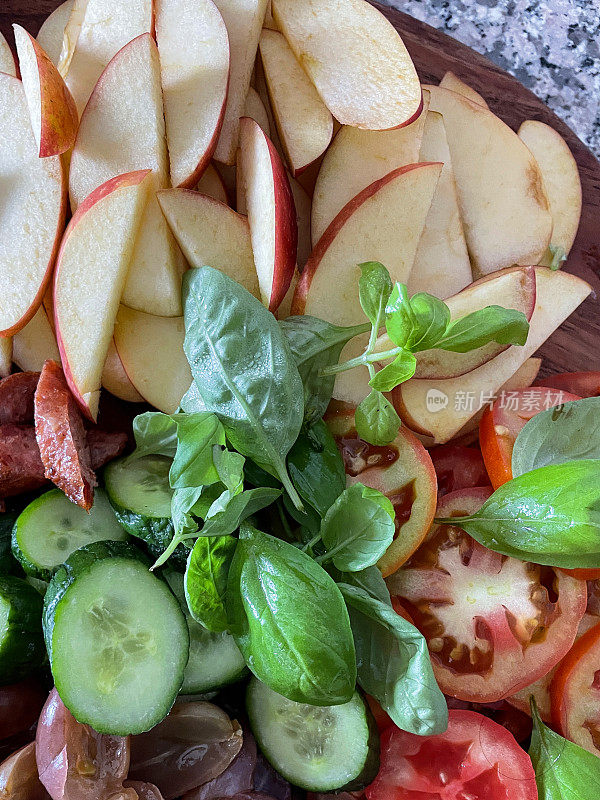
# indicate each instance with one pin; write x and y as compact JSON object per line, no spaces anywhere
{"x":51,"y":34}
{"x":303,"y":205}
{"x":6,"y":355}
{"x":115,"y":379}
{"x":211,"y":184}
{"x":454,"y":83}
{"x":7,"y":59}
{"x":35,"y":344}
{"x":255,"y":108}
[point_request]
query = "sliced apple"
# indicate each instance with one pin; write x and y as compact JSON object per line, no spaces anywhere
{"x":228,"y":176}
{"x":304,"y":123}
{"x":561,"y":179}
{"x":6,"y":355}
{"x":52,"y":109}
{"x":255,"y":108}
{"x":269,"y":22}
{"x":441,"y":408}
{"x":243,"y":19}
{"x":94,"y":34}
{"x":357,"y":158}
{"x":442,"y":266}
{"x":122,"y":129}
{"x":90,"y":275}
{"x":454,"y":83}
{"x":303,"y":205}
{"x":285,"y":309}
{"x":115,"y":380}
{"x":7,"y":59}
{"x":383,"y":223}
{"x":271,"y":213}
{"x":194,"y":65}
{"x":151,"y":350}
{"x":32,"y":211}
{"x":211,"y":234}
{"x":355,"y":58}
{"x":35,"y":343}
{"x":211,"y":184}
{"x":51,"y":34}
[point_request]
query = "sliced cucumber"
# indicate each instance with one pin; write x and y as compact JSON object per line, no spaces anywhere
{"x":117,"y":639}
{"x":320,"y":749}
{"x":22,"y":650}
{"x":8,"y":565}
{"x":48,"y":530}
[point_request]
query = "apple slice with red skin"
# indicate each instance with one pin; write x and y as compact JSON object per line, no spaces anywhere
{"x":35,"y":343}
{"x":211,"y":184}
{"x":271,"y":212}
{"x":402,"y":470}
{"x":7,"y":59}
{"x":52,"y":32}
{"x":115,"y":380}
{"x":255,"y":108}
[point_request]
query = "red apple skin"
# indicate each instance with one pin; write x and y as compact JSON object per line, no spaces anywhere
{"x":111,"y":185}
{"x":335,"y":226}
{"x":410,"y":119}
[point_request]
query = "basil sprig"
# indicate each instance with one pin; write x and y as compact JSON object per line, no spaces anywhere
{"x":205,"y":580}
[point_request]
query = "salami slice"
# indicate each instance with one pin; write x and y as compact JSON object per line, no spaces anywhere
{"x":21,"y":468}
{"x":16,"y":397}
{"x":105,"y":445}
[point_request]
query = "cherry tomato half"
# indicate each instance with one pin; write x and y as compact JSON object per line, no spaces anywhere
{"x":458,"y":467}
{"x":585,"y":384}
{"x":475,"y":758}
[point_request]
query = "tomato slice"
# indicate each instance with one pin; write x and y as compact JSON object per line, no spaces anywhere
{"x":458,"y":467}
{"x":493,"y":624}
{"x":475,"y":758}
{"x":500,"y":425}
{"x":585,"y":384}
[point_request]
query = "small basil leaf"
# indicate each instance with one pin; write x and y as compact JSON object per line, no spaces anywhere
{"x":290,"y":621}
{"x":558,"y":256}
{"x":432,"y":317}
{"x":563,"y":770}
{"x":491,"y":324}
{"x":565,"y":433}
{"x":380,"y":499}
{"x":155,"y":434}
{"x":205,"y":580}
{"x":228,"y":512}
{"x":183,"y":504}
{"x":400,"y":320}
{"x":374,"y":289}
{"x":192,"y":401}
{"x":401,"y":369}
{"x":316,"y":467}
{"x":230,"y":468}
{"x":357,"y":529}
{"x":197,"y":434}
{"x":376,"y":419}
{"x":369,"y":580}
{"x":394,"y":665}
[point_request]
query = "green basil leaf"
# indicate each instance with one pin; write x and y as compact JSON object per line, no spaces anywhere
{"x":566,"y":433}
{"x":374,"y":289}
{"x":394,"y":665}
{"x":369,"y":580}
{"x":357,"y":529}
{"x":491,"y":324}
{"x":290,"y":621}
{"x":243,"y":368}
{"x":205,"y":580}
{"x":316,"y":467}
{"x":192,"y":401}
{"x":376,"y":419}
{"x":315,"y":345}
{"x":418,"y":323}
{"x":228,"y":512}
{"x":155,"y":434}
{"x":197,"y":435}
{"x":558,"y":256}
{"x":563,"y":770}
{"x":400,"y":320}
{"x":401,"y":369}
{"x":309,"y":518}
{"x":380,"y":499}
{"x":549,"y":516}
{"x":230,"y":468}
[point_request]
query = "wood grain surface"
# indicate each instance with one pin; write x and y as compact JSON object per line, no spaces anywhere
{"x":576,"y":345}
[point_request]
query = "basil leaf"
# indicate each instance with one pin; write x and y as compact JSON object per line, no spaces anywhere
{"x":418,"y":323}
{"x":205,"y":580}
{"x":315,"y":345}
{"x":197,"y":434}
{"x":243,"y":368}
{"x":400,"y":320}
{"x":565,"y":433}
{"x":230,"y":468}
{"x":316,"y":467}
{"x":563,"y":770}
{"x":290,"y":621}
{"x":558,"y":256}
{"x":394,"y":664}
{"x":381,"y":500}
{"x":309,"y":518}
{"x":228,"y":512}
{"x":369,"y":580}
{"x":401,"y":369}
{"x":155,"y":434}
{"x":548,"y":516}
{"x":357,"y":529}
{"x":374,"y":289}
{"x":491,"y":324}
{"x":376,"y":419}
{"x":192,"y":401}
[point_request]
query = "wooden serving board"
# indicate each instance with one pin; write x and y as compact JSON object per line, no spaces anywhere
{"x":576,"y":346}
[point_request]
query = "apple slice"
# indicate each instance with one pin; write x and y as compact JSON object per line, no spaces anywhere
{"x":271,"y":213}
{"x":94,"y":34}
{"x":52,"y":110}
{"x":6,"y":355}
{"x":243,"y":19}
{"x":304,"y":123}
{"x":357,"y":158}
{"x":35,"y":343}
{"x":32,"y":211}
{"x":355,"y":58}
{"x":211,"y":234}
{"x":454,"y":83}
{"x":255,"y":108}
{"x":383,"y":223}
{"x":7,"y":59}
{"x":90,"y":275}
{"x":115,"y":379}
{"x":269,"y":22}
{"x":51,"y":34}
{"x":501,"y":195}
{"x":151,"y":350}
{"x":441,"y":408}
{"x":442,"y":266}
{"x":303,"y":206}
{"x":122,"y":129}
{"x":194,"y":66}
{"x":211,"y":184}
{"x":561,"y":179}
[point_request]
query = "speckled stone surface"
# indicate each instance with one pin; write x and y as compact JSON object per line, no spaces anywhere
{"x":551,"y":46}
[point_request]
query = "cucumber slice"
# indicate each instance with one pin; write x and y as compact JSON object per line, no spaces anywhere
{"x":117,"y":639}
{"x":8,"y":565}
{"x":320,"y":749}
{"x":52,"y":527}
{"x":22,"y":650}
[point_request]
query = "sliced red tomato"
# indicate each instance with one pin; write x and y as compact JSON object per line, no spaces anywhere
{"x":458,"y":467}
{"x":475,"y":758}
{"x":500,"y":425}
{"x":575,"y":693}
{"x":585,"y":384}
{"x":493,"y":624}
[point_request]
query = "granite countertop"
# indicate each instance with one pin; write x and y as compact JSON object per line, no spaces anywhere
{"x":551,"y":46}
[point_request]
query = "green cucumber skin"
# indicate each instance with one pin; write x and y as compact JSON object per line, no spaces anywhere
{"x":155,"y":532}
{"x":22,"y":652}
{"x":8,"y":564}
